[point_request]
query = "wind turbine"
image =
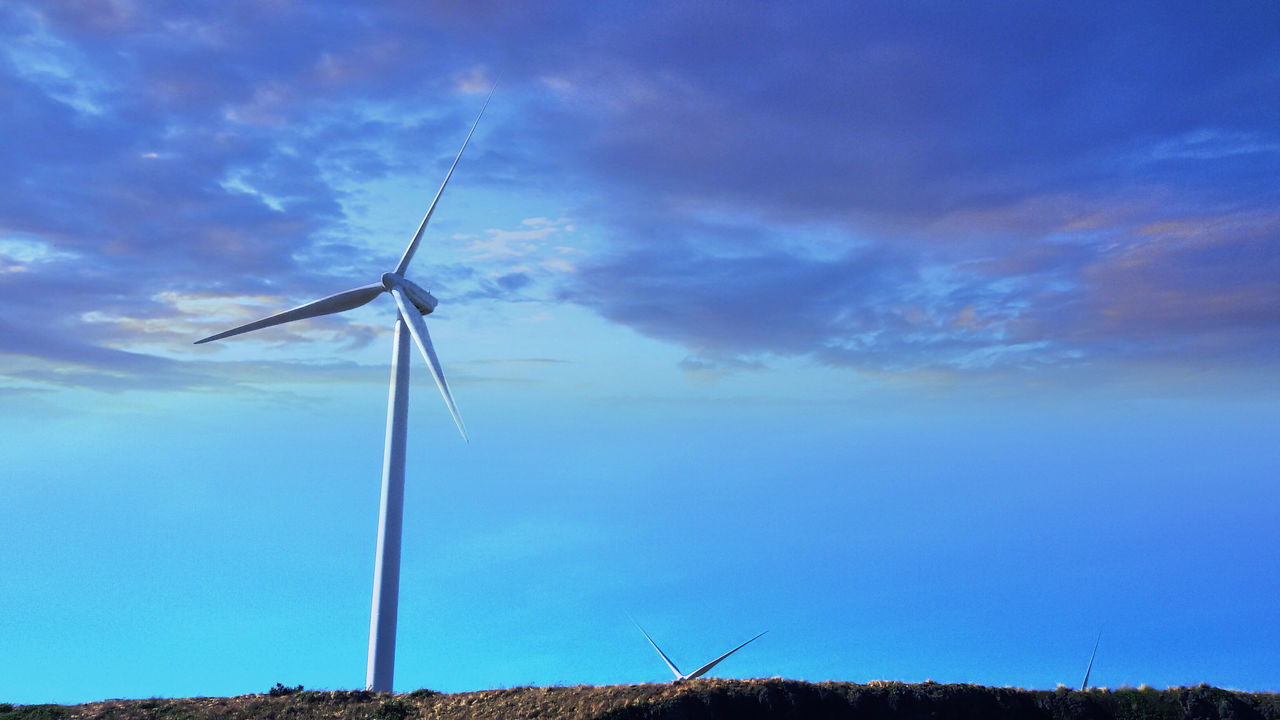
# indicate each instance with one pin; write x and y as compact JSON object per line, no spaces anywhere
{"x":412,"y":302}
{"x":1085,"y":685}
{"x":681,"y":677}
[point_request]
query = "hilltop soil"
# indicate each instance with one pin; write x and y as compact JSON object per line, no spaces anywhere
{"x":773,"y":699}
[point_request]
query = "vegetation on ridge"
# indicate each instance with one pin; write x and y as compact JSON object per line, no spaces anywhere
{"x":772,"y":699}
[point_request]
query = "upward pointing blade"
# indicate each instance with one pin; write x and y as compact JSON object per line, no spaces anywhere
{"x":702,"y":670}
{"x":413,"y":244}
{"x":418,"y":328}
{"x":1085,"y":685}
{"x":344,"y":300}
{"x":665,"y":659}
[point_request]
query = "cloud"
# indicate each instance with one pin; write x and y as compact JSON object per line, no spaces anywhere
{"x":518,"y":265}
{"x":1213,"y":145}
{"x":532,"y":239}
{"x":158,"y":153}
{"x":474,"y":80}
{"x":871,"y":187}
{"x":993,"y":178}
{"x":1195,"y":289}
{"x":873,"y":308}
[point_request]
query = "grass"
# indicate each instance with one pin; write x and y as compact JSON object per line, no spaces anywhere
{"x":773,"y":699}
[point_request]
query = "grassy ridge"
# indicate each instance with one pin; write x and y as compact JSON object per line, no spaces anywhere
{"x":773,"y":699}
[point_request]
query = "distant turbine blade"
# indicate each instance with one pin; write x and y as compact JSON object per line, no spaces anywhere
{"x":665,"y":659}
{"x":1084,"y":685}
{"x":418,"y":328}
{"x":345,"y":300}
{"x":413,"y":244}
{"x":702,"y":670}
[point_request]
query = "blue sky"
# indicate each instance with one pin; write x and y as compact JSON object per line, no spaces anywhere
{"x":931,"y":338}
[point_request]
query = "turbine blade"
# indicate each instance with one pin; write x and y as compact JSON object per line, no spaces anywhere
{"x":418,"y":328}
{"x":1084,"y":685}
{"x":679,"y":675}
{"x":702,"y":670}
{"x":344,"y":300}
{"x":413,"y":244}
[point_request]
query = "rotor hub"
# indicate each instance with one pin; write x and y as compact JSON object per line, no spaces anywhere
{"x":420,"y":298}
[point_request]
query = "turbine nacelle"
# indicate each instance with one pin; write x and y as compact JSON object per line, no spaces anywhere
{"x":420,"y":298}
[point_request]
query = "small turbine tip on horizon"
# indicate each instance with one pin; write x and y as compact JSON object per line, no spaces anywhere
{"x":682,"y":677}
{"x":1085,"y":684}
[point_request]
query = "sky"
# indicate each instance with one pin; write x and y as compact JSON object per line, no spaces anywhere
{"x":933,"y":338}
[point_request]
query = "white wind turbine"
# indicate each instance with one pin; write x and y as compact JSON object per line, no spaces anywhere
{"x":412,"y":302}
{"x":681,"y":677}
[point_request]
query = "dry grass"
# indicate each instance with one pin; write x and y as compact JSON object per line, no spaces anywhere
{"x":713,"y":699}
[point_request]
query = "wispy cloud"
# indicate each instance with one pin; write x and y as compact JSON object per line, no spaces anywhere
{"x":1213,"y":145}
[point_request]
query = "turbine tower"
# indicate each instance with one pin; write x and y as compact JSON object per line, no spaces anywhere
{"x":679,"y":676}
{"x":412,"y":302}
